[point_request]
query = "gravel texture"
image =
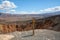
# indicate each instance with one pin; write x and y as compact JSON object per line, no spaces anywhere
{"x":41,"y":34}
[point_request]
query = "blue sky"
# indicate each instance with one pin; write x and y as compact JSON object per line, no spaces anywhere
{"x":33,"y":6}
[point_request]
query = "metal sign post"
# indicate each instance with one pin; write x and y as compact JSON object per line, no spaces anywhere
{"x":33,"y":25}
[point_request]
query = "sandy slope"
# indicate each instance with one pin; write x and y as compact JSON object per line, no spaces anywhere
{"x":6,"y":37}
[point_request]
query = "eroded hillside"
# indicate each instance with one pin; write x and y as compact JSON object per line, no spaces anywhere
{"x":51,"y":23}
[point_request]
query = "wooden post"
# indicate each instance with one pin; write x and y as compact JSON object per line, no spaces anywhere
{"x":33,"y":21}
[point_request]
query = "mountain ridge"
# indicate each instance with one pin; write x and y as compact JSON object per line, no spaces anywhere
{"x":23,"y":17}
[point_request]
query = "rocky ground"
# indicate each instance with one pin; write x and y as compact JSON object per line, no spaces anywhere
{"x":41,"y":34}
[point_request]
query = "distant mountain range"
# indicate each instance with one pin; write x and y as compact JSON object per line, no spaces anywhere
{"x":6,"y":17}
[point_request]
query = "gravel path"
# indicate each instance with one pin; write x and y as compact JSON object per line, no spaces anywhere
{"x":39,"y":35}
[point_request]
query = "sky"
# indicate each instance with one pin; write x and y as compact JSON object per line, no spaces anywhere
{"x":29,"y":6}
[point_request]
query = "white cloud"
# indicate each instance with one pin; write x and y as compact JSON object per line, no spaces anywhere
{"x":48,"y":10}
{"x":57,"y":8}
{"x":13,"y":5}
{"x":26,"y":12}
{"x":12,"y":10}
{"x":1,"y":6}
{"x":7,"y":5}
{"x":23,"y":12}
{"x":33,"y":12}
